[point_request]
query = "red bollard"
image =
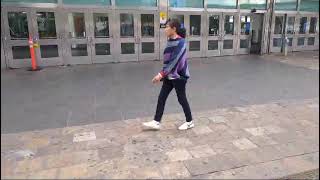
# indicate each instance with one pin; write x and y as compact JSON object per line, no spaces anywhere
{"x":33,"y":56}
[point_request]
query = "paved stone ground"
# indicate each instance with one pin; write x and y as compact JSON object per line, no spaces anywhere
{"x":314,"y":174}
{"x":306,"y":59}
{"x":263,"y":141}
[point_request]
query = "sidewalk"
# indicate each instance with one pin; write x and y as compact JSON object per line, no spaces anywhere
{"x":306,"y":59}
{"x":88,"y":94}
{"x":264,"y":141}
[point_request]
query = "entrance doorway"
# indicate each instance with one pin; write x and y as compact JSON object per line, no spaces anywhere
{"x":193,"y":22}
{"x":221,"y":34}
{"x":256,"y":34}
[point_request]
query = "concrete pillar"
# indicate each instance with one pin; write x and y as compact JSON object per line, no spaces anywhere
{"x":163,"y":7}
{"x":3,"y":59}
{"x":267,"y":27}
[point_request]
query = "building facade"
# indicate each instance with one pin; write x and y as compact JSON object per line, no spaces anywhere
{"x":104,"y":31}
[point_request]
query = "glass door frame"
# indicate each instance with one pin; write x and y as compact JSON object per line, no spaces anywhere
{"x":233,"y":37}
{"x":69,"y":41}
{"x":186,"y":15}
{"x":131,"y":39}
{"x":313,"y":35}
{"x":244,"y":36}
{"x":103,"y":40}
{"x":293,"y":36}
{"x":53,"y":61}
{"x":273,"y":36}
{"x":8,"y":43}
{"x":200,"y":38}
{"x":298,"y":35}
{"x":155,"y":39}
{"x":218,"y":37}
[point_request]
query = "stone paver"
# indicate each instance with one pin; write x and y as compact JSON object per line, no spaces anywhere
{"x":214,"y":163}
{"x":260,"y":141}
{"x":86,"y":136}
{"x":181,"y":142}
{"x":218,"y":119}
{"x":244,"y":143}
{"x":201,"y":151}
{"x":256,"y":131}
{"x":199,"y":130}
{"x":179,"y":155}
{"x":175,"y":170}
{"x":267,"y":170}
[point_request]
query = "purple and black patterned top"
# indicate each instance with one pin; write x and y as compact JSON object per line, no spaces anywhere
{"x":175,"y":63}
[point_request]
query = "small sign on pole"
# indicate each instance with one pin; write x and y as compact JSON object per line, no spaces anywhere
{"x":163,"y":19}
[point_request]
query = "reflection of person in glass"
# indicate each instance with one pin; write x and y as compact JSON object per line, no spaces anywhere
{"x":174,"y":74}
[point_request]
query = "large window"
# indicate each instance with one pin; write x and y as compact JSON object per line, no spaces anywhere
{"x":46,"y":25}
{"x":290,"y":5}
{"x":251,"y":4}
{"x":187,"y":3}
{"x":136,"y":3}
{"x":226,"y":4}
{"x":309,"y":5}
{"x":18,"y":25}
{"x":313,"y":25}
{"x":88,"y":2}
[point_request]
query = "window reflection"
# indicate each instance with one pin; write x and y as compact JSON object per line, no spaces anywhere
{"x":101,"y":25}
{"x":313,"y":25}
{"x":245,"y":25}
{"x":76,"y":25}
{"x":18,"y":25}
{"x":46,"y":25}
{"x":126,"y":25}
{"x":147,"y":25}
{"x":214,"y":25}
{"x":278,"y":25}
{"x":290,"y":28}
{"x":195,"y":25}
{"x":303,"y":25}
{"x":229,"y":24}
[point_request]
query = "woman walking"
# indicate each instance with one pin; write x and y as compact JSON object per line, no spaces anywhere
{"x":174,"y":74}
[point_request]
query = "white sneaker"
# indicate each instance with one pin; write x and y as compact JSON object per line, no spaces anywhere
{"x":186,"y":125}
{"x":152,"y":124}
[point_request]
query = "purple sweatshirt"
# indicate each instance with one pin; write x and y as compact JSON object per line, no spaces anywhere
{"x":175,"y":63}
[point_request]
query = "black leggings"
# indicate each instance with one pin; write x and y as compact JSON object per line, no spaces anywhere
{"x":180,"y":86}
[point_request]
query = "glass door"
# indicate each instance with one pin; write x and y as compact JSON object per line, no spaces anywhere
{"x":127,"y":45}
{"x":76,"y":48}
{"x":195,"y":34}
{"x":302,"y":33}
{"x":213,"y":34}
{"x":193,"y":22}
{"x":101,"y":36}
{"x":229,"y":32}
{"x":277,"y":30}
{"x":17,"y":28}
{"x":290,"y":31}
{"x":148,"y":35}
{"x":245,"y":27}
{"x":312,"y":33}
{"x":48,"y":32}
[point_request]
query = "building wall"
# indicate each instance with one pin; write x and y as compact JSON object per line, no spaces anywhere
{"x":163,"y":6}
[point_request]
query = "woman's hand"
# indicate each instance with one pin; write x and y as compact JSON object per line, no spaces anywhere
{"x":157,"y":78}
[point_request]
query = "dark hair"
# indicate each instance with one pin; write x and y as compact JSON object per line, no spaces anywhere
{"x":181,"y":31}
